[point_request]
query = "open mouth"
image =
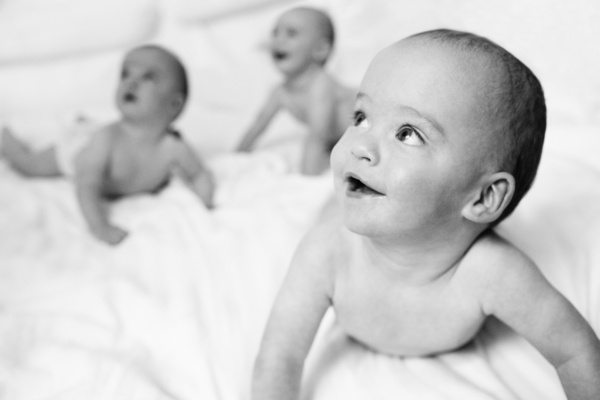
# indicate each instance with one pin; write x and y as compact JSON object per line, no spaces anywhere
{"x":129,"y":97}
{"x":358,"y":187}
{"x":279,"y":55}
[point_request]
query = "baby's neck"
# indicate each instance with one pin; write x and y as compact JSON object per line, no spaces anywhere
{"x":417,"y":263}
{"x":143,"y":132}
{"x":302,"y":78}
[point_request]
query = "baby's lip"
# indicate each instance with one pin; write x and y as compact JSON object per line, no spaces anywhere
{"x":356,"y":187}
{"x":129,"y":97}
{"x":279,"y":54}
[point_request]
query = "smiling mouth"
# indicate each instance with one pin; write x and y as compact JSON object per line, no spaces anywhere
{"x":279,"y":55}
{"x":356,"y":187}
{"x":129,"y":97}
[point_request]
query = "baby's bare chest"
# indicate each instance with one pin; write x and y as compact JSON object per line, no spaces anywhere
{"x":401,"y":320}
{"x":138,"y":170}
{"x":296,"y":102}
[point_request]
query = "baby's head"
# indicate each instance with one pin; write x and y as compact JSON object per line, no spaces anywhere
{"x":516,"y":113}
{"x":153,"y":84}
{"x":448,"y":128}
{"x":302,"y":36}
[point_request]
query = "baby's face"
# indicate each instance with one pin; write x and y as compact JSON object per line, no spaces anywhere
{"x":293,"y":41}
{"x":414,"y":153}
{"x":147,"y":85}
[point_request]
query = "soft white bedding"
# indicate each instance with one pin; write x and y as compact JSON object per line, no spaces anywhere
{"x":172,"y":312}
{"x":177,"y":311}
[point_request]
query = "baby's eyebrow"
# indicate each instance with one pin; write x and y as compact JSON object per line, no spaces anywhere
{"x":432,"y":121}
{"x":428,"y":118}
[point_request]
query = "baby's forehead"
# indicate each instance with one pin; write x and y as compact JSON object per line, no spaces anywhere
{"x":411,"y":57}
{"x":307,"y":16}
{"x":154,"y":59}
{"x":476,"y":64}
{"x":454,"y":88}
{"x":159,"y":61}
{"x":150,"y":57}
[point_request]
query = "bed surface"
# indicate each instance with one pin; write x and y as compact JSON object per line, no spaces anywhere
{"x":177,"y":311}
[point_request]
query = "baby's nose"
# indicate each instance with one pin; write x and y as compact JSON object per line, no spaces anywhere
{"x":364,"y":150}
{"x":133,"y":83}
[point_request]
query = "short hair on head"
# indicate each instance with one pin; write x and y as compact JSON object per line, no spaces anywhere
{"x":179,"y":69}
{"x":520,"y":108}
{"x":324,"y":22}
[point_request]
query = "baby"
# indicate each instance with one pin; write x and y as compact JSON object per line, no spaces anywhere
{"x":447,"y":136}
{"x":136,"y":154}
{"x":301,"y":43}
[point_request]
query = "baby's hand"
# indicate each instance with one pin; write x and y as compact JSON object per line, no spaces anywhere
{"x":109,"y":234}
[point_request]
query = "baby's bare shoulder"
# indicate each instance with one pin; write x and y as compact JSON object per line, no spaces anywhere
{"x":173,"y":142}
{"x":496,"y":265}
{"x":102,"y":140}
{"x":324,"y":84}
{"x":324,"y":242}
{"x":493,"y":251}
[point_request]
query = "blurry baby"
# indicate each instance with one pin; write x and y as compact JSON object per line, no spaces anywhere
{"x":136,"y":154}
{"x":447,"y":136}
{"x":300,"y":46}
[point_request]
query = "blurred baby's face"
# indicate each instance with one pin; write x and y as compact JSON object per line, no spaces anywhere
{"x":414,"y":153}
{"x":294,"y":40}
{"x":148,"y":84}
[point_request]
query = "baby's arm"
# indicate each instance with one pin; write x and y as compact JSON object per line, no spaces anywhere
{"x":295,"y":318}
{"x":261,"y":122}
{"x":322,"y":116}
{"x":194,"y":172}
{"x":90,"y":168}
{"x":520,"y":296}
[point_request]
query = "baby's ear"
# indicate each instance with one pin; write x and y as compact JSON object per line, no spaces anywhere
{"x":321,"y":50}
{"x":491,"y":200}
{"x":177,"y":103}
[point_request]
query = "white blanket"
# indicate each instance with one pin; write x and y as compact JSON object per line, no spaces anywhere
{"x":177,"y":310}
{"x":174,"y":312}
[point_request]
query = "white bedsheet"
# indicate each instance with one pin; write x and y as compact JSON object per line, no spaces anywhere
{"x":177,"y":311}
{"x":174,"y":312}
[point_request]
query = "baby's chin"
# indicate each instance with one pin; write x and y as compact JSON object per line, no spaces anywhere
{"x":288,"y":68}
{"x":360,"y":223}
{"x":284,"y":69}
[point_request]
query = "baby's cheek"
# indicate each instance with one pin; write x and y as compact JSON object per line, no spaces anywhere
{"x":337,"y":157}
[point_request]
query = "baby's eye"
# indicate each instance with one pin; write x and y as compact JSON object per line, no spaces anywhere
{"x":359,"y":119}
{"x":124,"y":74}
{"x":409,"y":135}
{"x":291,"y":32}
{"x":148,"y":76}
